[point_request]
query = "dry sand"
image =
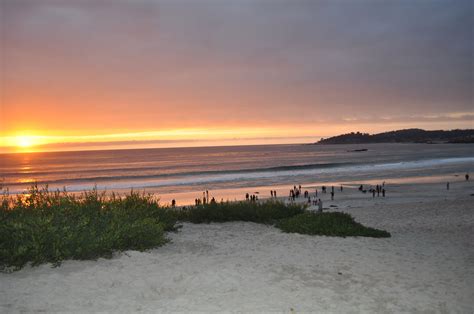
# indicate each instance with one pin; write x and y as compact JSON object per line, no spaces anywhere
{"x":426,"y":266}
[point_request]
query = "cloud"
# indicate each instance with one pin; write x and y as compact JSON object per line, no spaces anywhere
{"x":156,"y":64}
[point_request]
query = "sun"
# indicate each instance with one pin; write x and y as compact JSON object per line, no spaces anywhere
{"x":24,"y":141}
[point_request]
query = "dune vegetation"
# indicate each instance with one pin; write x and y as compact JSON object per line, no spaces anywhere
{"x":328,"y":224}
{"x":43,"y":226}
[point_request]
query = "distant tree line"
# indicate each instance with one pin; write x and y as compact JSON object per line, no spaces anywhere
{"x":403,"y":136}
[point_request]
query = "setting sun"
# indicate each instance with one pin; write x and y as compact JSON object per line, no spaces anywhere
{"x":24,"y":141}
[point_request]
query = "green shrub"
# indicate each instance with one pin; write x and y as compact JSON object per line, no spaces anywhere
{"x":46,"y":226}
{"x":328,"y":224}
{"x":260,"y":212}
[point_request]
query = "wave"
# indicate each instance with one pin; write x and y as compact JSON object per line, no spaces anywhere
{"x":212,"y":177}
{"x":180,"y":174}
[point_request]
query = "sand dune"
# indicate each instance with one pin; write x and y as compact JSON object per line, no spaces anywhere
{"x":426,"y":266}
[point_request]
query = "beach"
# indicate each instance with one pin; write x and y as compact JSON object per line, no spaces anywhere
{"x":427,"y":265}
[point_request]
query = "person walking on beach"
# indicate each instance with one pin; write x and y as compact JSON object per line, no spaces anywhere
{"x":447,"y":186}
{"x":341,"y":188}
{"x":467,"y":176}
{"x":332,"y":189}
{"x":332,"y":195}
{"x":316,"y":192}
{"x":373,"y":193}
{"x":173,"y":203}
{"x":383,"y":192}
{"x":320,"y":206}
{"x":275,"y":193}
{"x":271,"y":193}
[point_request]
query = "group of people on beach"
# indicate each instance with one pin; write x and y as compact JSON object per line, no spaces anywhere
{"x":296,"y":192}
{"x":379,"y":189}
{"x":205,"y":199}
{"x":251,"y":198}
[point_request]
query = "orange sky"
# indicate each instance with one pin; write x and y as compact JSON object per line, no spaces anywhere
{"x":91,"y":75}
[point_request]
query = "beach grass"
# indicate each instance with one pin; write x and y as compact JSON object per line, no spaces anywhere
{"x":328,"y":224}
{"x":44,"y":226}
{"x":268,"y":212}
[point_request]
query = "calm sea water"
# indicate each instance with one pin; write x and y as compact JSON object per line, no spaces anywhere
{"x":178,"y":170}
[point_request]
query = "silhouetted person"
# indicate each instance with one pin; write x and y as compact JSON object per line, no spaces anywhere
{"x":383,"y":192}
{"x":332,"y":189}
{"x":316,"y":192}
{"x":213,"y":200}
{"x":361,"y":187}
{"x":373,"y":193}
{"x":271,"y":193}
{"x":275,"y":193}
{"x":447,"y":186}
{"x":332,"y":195}
{"x":247,"y":196}
{"x":341,"y":188}
{"x":467,"y":176}
{"x":173,"y":203}
{"x":320,"y":206}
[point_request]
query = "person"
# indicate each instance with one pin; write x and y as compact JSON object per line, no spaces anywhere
{"x":467,"y":176}
{"x":383,"y":192}
{"x":271,"y":193}
{"x":207,"y":195}
{"x":274,"y":193}
{"x":213,"y":200}
{"x":247,"y":196}
{"x":320,"y":205}
{"x":173,"y":203}
{"x":341,"y":188}
{"x":332,"y":195}
{"x":316,"y":192}
{"x":373,"y":193}
{"x":361,"y":187}
{"x":309,"y":200}
{"x":332,"y":189}
{"x":447,"y":186}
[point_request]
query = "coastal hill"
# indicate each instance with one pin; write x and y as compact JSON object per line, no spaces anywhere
{"x":403,"y":136}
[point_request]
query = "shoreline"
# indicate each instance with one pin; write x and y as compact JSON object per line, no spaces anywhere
{"x":263,"y":192}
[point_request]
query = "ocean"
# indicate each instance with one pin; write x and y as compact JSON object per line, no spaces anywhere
{"x":231,"y":171}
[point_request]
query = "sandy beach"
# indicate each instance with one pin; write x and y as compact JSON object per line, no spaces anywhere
{"x":426,"y":266}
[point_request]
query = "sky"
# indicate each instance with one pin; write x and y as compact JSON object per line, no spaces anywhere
{"x":92,"y":74}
